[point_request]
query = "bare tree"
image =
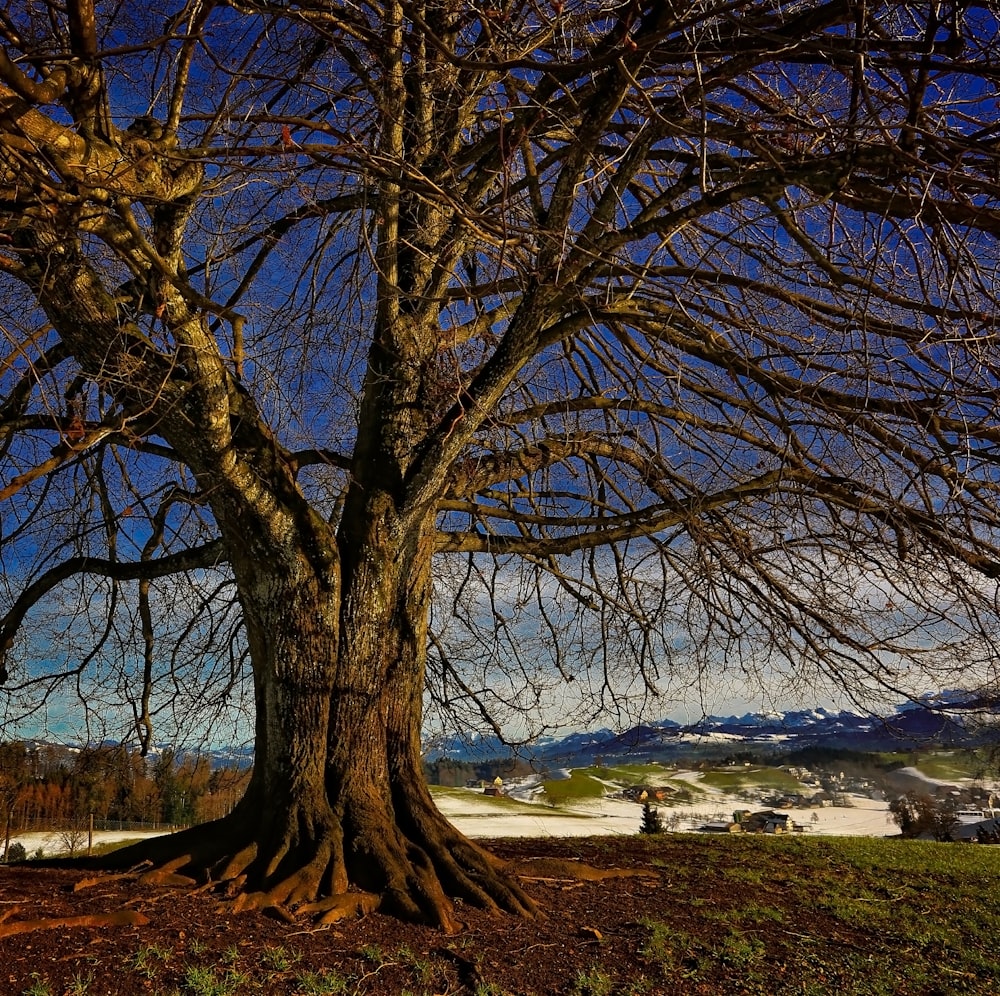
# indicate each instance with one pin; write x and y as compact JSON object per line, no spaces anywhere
{"x":918,"y":814}
{"x":72,"y":839}
{"x":564,"y":339}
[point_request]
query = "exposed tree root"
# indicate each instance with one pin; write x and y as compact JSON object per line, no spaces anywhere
{"x":329,"y":868}
{"x":557,"y":869}
{"x":122,"y":918}
{"x":339,"y":865}
{"x":348,"y":904}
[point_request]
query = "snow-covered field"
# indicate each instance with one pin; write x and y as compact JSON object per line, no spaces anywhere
{"x":480,"y":816}
{"x":53,"y":844}
{"x":477,"y":815}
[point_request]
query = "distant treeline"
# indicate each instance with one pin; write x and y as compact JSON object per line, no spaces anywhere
{"x":48,"y":783}
{"x":451,"y":773}
{"x":818,"y":757}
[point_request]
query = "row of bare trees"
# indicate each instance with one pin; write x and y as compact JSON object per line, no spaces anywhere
{"x":50,"y":786}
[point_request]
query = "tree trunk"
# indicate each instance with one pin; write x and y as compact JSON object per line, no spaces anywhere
{"x":338,"y":805}
{"x":399,"y":844}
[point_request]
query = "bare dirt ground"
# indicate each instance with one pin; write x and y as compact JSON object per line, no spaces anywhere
{"x":693,"y":917}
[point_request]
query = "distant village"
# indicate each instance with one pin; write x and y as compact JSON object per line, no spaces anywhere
{"x":937,"y":810}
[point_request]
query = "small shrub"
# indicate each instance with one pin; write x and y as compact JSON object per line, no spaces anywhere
{"x":652,"y":822}
{"x":72,"y":840}
{"x":17,"y":852}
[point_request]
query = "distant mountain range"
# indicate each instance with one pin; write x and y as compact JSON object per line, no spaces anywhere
{"x":948,"y":719}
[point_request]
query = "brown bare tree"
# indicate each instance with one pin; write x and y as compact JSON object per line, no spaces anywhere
{"x":679,"y":318}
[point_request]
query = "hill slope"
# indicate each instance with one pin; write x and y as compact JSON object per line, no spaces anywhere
{"x":704,"y":915}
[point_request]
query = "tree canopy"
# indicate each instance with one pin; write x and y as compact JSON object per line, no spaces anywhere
{"x":502,"y":346}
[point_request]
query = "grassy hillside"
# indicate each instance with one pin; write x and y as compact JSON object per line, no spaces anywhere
{"x":583,"y":783}
{"x":738,"y":779}
{"x":952,"y":765}
{"x":817,"y":916}
{"x":696,"y":916}
{"x":591,"y":783}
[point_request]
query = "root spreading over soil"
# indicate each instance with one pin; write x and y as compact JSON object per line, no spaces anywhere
{"x":617,"y":917}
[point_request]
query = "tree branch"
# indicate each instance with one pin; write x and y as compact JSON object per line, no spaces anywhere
{"x":211,"y":554}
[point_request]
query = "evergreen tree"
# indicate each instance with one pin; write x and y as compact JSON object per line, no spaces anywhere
{"x":652,"y":822}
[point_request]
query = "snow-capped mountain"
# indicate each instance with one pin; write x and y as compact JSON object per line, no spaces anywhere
{"x":947,"y":718}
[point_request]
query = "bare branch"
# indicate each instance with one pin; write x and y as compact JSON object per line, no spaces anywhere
{"x":209,"y":555}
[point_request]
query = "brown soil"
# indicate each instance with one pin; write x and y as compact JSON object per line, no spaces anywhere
{"x":118,"y":937}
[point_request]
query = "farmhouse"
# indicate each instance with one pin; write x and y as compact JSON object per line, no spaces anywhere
{"x":766,"y":821}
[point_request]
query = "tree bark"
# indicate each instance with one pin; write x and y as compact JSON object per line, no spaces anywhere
{"x":337,"y":632}
{"x":397,"y":843}
{"x":338,"y":805}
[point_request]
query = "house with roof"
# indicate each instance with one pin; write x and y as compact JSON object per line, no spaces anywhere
{"x":978,"y":832}
{"x":767,"y":821}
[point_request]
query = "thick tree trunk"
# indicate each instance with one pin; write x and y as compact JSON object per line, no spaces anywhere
{"x":337,"y":813}
{"x":399,"y":845}
{"x":336,"y":624}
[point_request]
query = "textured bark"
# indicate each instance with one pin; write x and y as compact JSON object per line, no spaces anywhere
{"x":337,"y":630}
{"x":338,"y":808}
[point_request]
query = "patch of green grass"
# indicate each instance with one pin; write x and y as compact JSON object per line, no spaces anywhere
{"x":579,"y":785}
{"x":279,"y":959}
{"x":500,"y":802}
{"x":666,"y":946}
{"x":230,"y":956}
{"x":39,"y":986}
{"x":738,"y":779}
{"x":149,"y":959}
{"x":639,"y":987}
{"x":106,"y":847}
{"x":491,"y":989}
{"x":202,"y":981}
{"x":742,"y":950}
{"x":857,"y":911}
{"x":374,"y":954}
{"x":592,"y":982}
{"x":751,"y":912}
{"x":950,"y":765}
{"x":421,"y":966}
{"x":898,"y":899}
{"x":630,"y":774}
{"x":322,"y":983}
{"x":79,"y":985}
{"x":755,"y":876}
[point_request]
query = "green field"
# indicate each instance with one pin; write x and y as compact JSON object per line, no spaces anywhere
{"x":953,"y":765}
{"x":738,"y":779}
{"x":592,"y":783}
{"x":583,"y":783}
{"x":501,"y":803}
{"x":853,"y":915}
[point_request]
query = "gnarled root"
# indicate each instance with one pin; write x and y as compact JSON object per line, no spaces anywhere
{"x":561,"y":869}
{"x":331,"y":868}
{"x":122,"y":918}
